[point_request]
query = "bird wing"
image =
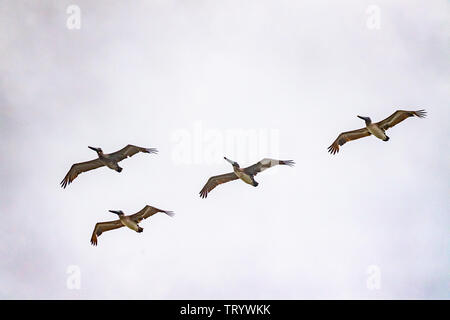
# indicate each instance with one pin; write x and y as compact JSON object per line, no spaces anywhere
{"x":148,"y":211}
{"x":347,"y":136}
{"x":215,"y":181}
{"x":101,"y":227}
{"x":130,"y":151}
{"x":398,"y":116}
{"x":265,"y":164}
{"x":78,"y":168}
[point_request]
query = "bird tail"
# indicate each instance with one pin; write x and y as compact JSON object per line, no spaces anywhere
{"x":386,"y":139}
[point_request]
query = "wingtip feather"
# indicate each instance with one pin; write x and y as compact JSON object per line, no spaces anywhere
{"x":332,"y":150}
{"x":420,"y":113}
{"x":289,"y":163}
{"x":151,"y":150}
{"x":170,"y":213}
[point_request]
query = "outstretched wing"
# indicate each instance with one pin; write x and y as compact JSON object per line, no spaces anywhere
{"x":215,"y":181}
{"x":347,"y":136}
{"x":398,"y":116}
{"x":130,"y":151}
{"x":265,"y":164}
{"x":102,"y":227}
{"x":147,"y":212}
{"x":78,"y":168}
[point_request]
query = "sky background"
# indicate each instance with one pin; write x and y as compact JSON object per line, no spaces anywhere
{"x":185,"y":76}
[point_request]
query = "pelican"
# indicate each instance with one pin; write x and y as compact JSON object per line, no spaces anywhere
{"x":110,"y":160}
{"x":130,"y":221}
{"x":246,"y":174}
{"x":377,"y":129}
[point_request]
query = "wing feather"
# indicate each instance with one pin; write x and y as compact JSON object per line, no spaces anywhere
{"x":344,"y":137}
{"x":101,"y":227}
{"x":265,"y":164}
{"x":215,"y":181}
{"x":398,"y":116}
{"x":129,"y":151}
{"x":78,"y":168}
{"x":148,"y":211}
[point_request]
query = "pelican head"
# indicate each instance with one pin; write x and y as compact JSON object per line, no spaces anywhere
{"x":118,"y":212}
{"x":366,"y":119}
{"x":98,"y":150}
{"x":233,"y":163}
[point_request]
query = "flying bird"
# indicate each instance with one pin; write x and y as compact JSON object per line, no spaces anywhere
{"x":246,"y":174}
{"x":110,"y":160}
{"x":130,"y":221}
{"x":377,"y":129}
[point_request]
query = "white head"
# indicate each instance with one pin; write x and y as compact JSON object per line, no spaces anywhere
{"x":233,"y":163}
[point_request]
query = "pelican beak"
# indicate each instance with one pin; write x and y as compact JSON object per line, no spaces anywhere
{"x":230,"y":161}
{"x":92,"y":148}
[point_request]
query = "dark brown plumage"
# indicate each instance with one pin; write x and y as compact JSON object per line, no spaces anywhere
{"x":398,"y":116}
{"x":345,"y":137}
{"x":245,"y":174}
{"x":130,"y":221}
{"x":110,"y":160}
{"x":377,"y":128}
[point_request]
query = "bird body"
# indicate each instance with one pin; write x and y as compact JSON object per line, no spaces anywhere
{"x":377,"y":129}
{"x":241,"y":174}
{"x":110,"y":160}
{"x":374,"y":129}
{"x":245,"y":174}
{"x":130,"y":221}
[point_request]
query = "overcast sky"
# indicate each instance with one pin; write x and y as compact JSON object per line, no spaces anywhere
{"x":200,"y":80}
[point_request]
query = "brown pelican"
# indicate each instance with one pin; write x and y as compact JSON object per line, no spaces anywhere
{"x":110,"y":160}
{"x":245,"y":174}
{"x":130,"y":221}
{"x":377,"y":129}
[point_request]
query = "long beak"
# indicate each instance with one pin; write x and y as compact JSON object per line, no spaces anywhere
{"x":364,"y":118}
{"x":114,"y":211}
{"x":92,"y":148}
{"x":230,"y":161}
